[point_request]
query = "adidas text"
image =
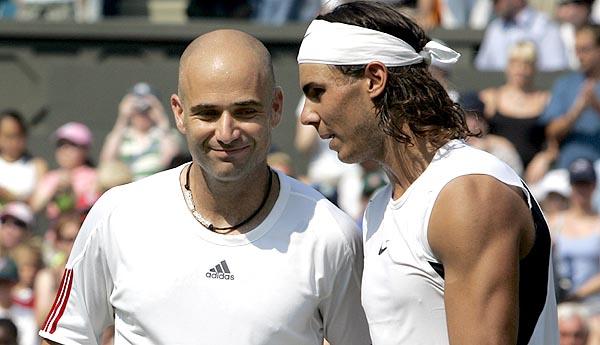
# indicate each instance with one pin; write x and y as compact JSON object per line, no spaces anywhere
{"x":220,"y":276}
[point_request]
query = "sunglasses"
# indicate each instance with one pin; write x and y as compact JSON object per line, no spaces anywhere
{"x":64,"y":142}
{"x":7,"y":220}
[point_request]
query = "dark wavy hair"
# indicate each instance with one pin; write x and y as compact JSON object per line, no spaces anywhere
{"x":411,"y":96}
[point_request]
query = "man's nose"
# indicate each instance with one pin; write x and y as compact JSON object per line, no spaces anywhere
{"x":227,"y":130}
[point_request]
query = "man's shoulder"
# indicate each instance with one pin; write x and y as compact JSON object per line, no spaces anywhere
{"x":320,"y":213}
{"x":152,"y":184}
{"x":144,"y":194}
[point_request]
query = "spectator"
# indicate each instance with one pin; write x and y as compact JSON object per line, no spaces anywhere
{"x":22,"y":317}
{"x":553,"y":192}
{"x":142,"y":136}
{"x":219,"y":9}
{"x":20,"y":171}
{"x":519,"y":22}
{"x":494,"y":144}
{"x":112,"y":174}
{"x":48,"y":279}
{"x":16,"y":223}
{"x":573,"y":115}
{"x":513,"y":109}
{"x":572,"y":15}
{"x":60,"y":10}
{"x":576,"y":235}
{"x":278,"y":12}
{"x":73,"y":185}
{"x":573,"y":324}
{"x":8,"y":9}
{"x":457,"y":14}
{"x":28,"y":258}
{"x":281,"y":161}
{"x":8,"y":332}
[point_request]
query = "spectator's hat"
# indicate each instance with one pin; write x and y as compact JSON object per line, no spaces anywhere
{"x":74,"y":132}
{"x":8,"y":270}
{"x":555,"y":181}
{"x":582,"y":170}
{"x":471,"y":102}
{"x":19,"y":211}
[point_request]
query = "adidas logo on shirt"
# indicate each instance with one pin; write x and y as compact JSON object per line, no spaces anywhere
{"x":220,"y":271}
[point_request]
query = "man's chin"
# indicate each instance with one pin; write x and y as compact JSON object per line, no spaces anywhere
{"x":346,"y":158}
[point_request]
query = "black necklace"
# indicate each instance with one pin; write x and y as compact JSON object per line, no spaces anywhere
{"x":205,"y":223}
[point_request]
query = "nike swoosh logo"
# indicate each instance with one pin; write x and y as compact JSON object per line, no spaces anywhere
{"x":382,"y":248}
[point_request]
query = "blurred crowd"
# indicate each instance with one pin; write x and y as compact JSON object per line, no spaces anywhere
{"x":549,"y":135}
{"x":447,"y":14}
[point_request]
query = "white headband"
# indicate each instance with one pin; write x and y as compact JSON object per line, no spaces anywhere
{"x":342,"y":44}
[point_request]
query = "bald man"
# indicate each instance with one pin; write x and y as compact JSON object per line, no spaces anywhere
{"x":221,"y":250}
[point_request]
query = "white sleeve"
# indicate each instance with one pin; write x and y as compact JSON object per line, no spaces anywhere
{"x":344,"y":319}
{"x":81,"y":310}
{"x":554,"y":54}
{"x":491,"y":45}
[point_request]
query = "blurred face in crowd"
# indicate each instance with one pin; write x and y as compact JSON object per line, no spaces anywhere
{"x":227,"y":104}
{"x":140,"y":119}
{"x":70,"y":155}
{"x":582,"y":192}
{"x":66,"y":234}
{"x":574,"y":13}
{"x":572,"y":331}
{"x":12,"y":139}
{"x":588,"y":52}
{"x":12,"y":231}
{"x":508,"y":8}
{"x":520,"y":71}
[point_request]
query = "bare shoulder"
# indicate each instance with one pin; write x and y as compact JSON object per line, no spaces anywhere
{"x":472,"y":212}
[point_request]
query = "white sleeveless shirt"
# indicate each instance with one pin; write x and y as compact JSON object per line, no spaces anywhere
{"x":402,"y":293}
{"x":18,"y":177}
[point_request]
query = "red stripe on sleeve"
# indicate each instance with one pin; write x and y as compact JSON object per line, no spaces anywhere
{"x":56,"y":299}
{"x":59,"y":300}
{"x":63,"y":305}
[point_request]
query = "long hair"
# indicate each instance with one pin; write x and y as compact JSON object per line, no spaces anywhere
{"x":411,"y":97}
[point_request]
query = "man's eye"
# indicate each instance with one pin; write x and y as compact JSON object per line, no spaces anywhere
{"x":207,"y":115}
{"x":246,"y":112}
{"x":315,"y":93}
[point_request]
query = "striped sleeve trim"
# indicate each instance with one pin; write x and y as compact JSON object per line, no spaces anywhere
{"x":60,"y":302}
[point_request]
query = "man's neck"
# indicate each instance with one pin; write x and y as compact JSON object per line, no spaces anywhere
{"x":224,"y":204}
{"x":403,"y":164}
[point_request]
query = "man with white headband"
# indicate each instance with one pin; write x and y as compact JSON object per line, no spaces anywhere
{"x":457,"y":250}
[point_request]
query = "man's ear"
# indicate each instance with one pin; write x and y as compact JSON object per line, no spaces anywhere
{"x":276,"y":106}
{"x":376,"y":73}
{"x":178,"y":113}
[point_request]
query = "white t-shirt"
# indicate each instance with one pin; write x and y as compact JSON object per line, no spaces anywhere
{"x":403,"y":294}
{"x":142,"y":257}
{"x":24,"y":319}
{"x":18,"y":177}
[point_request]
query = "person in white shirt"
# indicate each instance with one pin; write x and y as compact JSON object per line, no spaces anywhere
{"x":457,"y":250}
{"x":222,"y":250}
{"x":518,"y":22}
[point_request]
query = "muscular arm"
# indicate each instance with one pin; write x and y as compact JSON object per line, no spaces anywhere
{"x":476,"y":229}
